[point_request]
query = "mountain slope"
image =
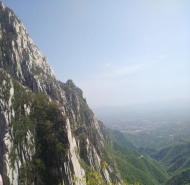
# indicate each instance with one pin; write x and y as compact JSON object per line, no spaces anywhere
{"x":21,"y":59}
{"x":48,"y":134}
{"x":175,"y":158}
{"x":134,"y":166}
{"x":182,"y":178}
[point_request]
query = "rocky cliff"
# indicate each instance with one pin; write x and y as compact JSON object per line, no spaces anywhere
{"x":48,"y":134}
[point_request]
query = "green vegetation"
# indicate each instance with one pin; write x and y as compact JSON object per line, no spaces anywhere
{"x":5,"y":85}
{"x":182,"y":178}
{"x":169,"y":144}
{"x":93,"y":177}
{"x":175,"y":158}
{"x":51,"y":138}
{"x":134,"y":167}
{"x":45,"y":127}
{"x":84,"y":117}
{"x":152,"y":137}
{"x":39,"y":125}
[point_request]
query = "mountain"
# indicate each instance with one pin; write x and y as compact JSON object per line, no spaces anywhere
{"x":48,"y":134}
{"x":44,"y":139}
{"x":174,"y":156}
{"x":182,"y":178}
{"x":176,"y":160}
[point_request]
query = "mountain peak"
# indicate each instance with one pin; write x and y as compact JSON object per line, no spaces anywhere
{"x":55,"y":119}
{"x":2,"y":6}
{"x":19,"y":56}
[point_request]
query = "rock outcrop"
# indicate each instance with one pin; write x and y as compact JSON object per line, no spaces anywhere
{"x":25,"y":72}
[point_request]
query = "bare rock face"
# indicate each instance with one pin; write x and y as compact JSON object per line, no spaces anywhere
{"x":21,"y":60}
{"x":6,"y":112}
{"x":21,"y":49}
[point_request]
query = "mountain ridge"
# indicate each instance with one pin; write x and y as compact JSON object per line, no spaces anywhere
{"x":23,"y":61}
{"x":49,"y":135}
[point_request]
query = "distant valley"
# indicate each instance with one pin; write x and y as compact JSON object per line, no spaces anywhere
{"x":160,"y":131}
{"x":160,"y":120}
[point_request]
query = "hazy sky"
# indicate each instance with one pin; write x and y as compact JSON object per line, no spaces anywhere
{"x":118,"y":52}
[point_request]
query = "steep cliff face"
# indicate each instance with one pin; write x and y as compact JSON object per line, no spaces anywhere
{"x":68,"y":139}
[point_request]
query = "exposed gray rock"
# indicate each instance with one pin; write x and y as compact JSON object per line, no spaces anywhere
{"x":22,"y":60}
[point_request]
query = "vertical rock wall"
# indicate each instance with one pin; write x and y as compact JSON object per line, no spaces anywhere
{"x":20,"y":58}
